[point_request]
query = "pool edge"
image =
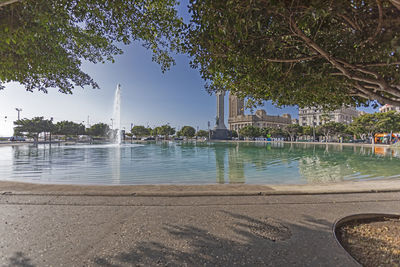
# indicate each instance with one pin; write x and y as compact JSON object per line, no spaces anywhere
{"x":23,"y":188}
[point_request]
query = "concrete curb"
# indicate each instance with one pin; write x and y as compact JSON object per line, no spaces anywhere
{"x":21,"y":188}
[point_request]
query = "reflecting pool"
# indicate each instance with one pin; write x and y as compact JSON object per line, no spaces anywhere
{"x":197,"y":163}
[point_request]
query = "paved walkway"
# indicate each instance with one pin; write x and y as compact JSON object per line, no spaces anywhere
{"x":271,"y":230}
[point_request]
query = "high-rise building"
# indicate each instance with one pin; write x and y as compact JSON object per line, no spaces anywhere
{"x":236,"y":106}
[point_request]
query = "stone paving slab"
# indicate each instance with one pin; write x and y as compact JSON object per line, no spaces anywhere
{"x":274,"y":230}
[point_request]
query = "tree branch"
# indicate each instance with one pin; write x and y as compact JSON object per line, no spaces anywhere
{"x":379,"y":26}
{"x":9,"y":2}
{"x":341,"y":65}
{"x":377,"y":64}
{"x":354,"y":24}
{"x":374,"y":96}
{"x":294,"y":60}
{"x":351,"y":66}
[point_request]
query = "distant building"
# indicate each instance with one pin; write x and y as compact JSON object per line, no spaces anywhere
{"x":316,"y":116}
{"x":237,"y":119}
{"x":387,"y":108}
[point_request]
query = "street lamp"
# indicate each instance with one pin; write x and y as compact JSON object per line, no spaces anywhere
{"x":313,"y":128}
{"x":51,"y":120}
{"x":112,"y":124}
{"x":209,"y":132}
{"x":132,"y":133}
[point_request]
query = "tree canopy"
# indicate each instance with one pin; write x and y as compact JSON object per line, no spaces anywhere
{"x":388,"y":122}
{"x":98,"y":129}
{"x":331,"y":128}
{"x":187,"y":131}
{"x":370,"y":124}
{"x":365,"y":124}
{"x":165,"y":130}
{"x":43,"y":43}
{"x":293,"y":130}
{"x":202,"y":133}
{"x":140,"y":131}
{"x":250,"y":131}
{"x":33,"y":127}
{"x":308,"y":53}
{"x":69,"y":128}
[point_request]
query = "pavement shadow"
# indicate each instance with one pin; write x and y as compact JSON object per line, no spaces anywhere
{"x":258,"y":242}
{"x":19,"y":260}
{"x":268,"y":228}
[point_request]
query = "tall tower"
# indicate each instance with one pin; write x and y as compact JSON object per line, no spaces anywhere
{"x":220,"y":132}
{"x":220,"y":124}
{"x":236,"y":106}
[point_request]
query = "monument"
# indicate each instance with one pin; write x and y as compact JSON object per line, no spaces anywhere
{"x":220,"y":131}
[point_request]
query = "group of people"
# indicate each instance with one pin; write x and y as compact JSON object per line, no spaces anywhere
{"x":386,"y":139}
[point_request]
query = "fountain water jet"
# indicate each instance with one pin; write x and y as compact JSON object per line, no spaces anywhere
{"x":116,"y":135}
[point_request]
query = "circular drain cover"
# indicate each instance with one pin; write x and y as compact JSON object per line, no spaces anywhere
{"x":270,"y":229}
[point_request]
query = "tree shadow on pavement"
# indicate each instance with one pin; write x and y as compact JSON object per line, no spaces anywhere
{"x":19,"y":260}
{"x":257,"y":242}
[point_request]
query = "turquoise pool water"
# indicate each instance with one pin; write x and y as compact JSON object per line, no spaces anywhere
{"x":201,"y":163}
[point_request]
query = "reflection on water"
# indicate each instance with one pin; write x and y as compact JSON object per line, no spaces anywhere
{"x":198,"y":163}
{"x":236,"y":166}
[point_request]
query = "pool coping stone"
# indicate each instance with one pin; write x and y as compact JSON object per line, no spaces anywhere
{"x":348,"y":187}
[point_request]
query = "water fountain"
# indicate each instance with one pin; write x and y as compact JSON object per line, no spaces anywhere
{"x":116,"y":117}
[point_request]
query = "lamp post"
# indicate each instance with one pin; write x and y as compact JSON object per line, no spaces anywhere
{"x":51,"y":121}
{"x":313,"y":128}
{"x":209,"y":132}
{"x":131,"y":132}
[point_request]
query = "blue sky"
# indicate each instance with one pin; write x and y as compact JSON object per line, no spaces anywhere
{"x":149,"y":97}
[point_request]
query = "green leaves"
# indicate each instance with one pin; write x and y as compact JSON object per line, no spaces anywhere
{"x":202,"y":133}
{"x":187,"y":131}
{"x":331,"y":128}
{"x":140,"y":131}
{"x":378,"y":122}
{"x":69,"y":128}
{"x":42,"y":43}
{"x":98,"y":129}
{"x":33,"y":127}
{"x":252,"y":49}
{"x":250,"y":131}
{"x":165,"y":130}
